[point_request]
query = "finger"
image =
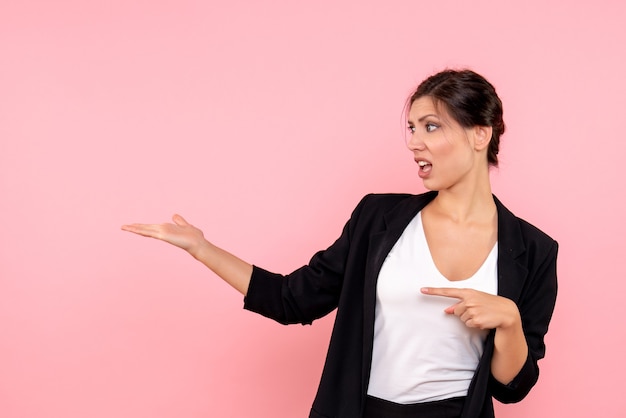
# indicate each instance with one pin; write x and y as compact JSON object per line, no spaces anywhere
{"x":465,"y":316}
{"x":131,"y":227}
{"x":470,"y":323}
{"x":450,"y":292}
{"x":179,"y":220}
{"x":142,"y":229}
{"x":451,"y":309}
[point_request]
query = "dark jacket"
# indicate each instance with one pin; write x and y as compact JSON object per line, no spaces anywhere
{"x":344,"y":277}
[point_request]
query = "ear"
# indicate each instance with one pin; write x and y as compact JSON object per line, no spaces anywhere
{"x":482,"y":137}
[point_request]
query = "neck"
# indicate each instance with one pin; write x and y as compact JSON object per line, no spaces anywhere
{"x":471,"y":201}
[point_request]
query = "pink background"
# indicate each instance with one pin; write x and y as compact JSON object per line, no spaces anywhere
{"x":264,"y":123}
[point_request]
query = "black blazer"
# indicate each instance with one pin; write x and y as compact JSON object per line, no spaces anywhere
{"x":344,"y":277}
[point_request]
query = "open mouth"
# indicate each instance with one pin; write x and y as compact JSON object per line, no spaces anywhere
{"x":425,"y":166}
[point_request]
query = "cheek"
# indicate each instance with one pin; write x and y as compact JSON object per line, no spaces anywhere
{"x":457,"y":145}
{"x":443,"y":148}
{"x":454,"y":158}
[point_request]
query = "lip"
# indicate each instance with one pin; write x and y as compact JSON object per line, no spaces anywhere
{"x":421,"y":173}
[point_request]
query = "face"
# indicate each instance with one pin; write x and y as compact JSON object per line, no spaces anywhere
{"x":445,"y":152}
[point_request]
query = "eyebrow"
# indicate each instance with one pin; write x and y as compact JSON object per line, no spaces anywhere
{"x":424,"y":117}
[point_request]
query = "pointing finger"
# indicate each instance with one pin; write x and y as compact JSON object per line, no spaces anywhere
{"x":444,"y":291}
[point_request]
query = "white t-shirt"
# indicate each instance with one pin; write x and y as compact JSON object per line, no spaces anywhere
{"x":421,"y":353}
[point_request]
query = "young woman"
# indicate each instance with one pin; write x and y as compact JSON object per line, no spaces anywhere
{"x":443,"y":299}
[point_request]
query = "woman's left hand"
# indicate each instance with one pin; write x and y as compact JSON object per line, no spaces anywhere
{"x":479,"y":309}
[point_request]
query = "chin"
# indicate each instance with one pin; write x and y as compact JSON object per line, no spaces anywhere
{"x":432,"y":185}
{"x":440,"y":184}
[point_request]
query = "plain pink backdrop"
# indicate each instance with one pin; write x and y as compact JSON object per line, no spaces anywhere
{"x":264,"y":122}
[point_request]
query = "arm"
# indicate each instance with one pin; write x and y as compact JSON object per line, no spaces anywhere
{"x":536,"y":305}
{"x":510,"y":348}
{"x":182,"y":234}
{"x":314,"y":290}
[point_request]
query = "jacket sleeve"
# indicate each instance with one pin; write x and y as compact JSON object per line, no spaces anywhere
{"x":308,"y":293}
{"x":536,"y":306}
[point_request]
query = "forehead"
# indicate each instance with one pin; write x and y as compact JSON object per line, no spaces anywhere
{"x":425,"y":106}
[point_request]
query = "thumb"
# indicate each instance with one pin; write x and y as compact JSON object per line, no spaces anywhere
{"x":179,"y":220}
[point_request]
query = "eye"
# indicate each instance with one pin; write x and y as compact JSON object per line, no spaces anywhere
{"x":431,"y":127}
{"x":411,"y":128}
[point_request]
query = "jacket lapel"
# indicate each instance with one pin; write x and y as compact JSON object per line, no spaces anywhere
{"x":380,"y":244}
{"x":511,"y":273}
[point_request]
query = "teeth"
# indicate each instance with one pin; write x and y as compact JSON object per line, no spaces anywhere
{"x":422,"y":163}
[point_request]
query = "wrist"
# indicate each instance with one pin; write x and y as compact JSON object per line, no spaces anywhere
{"x":201,"y":250}
{"x":513,"y":320}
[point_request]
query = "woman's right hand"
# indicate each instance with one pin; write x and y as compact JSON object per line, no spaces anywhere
{"x":180,"y":233}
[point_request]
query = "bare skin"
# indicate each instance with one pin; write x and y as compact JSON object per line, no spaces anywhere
{"x":460,"y":226}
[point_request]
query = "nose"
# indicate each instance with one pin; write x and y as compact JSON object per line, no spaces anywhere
{"x":415,"y":143}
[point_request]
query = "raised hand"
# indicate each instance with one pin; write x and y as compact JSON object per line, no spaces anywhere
{"x":180,"y":233}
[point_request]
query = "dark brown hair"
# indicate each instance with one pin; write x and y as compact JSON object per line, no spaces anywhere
{"x":470,"y":99}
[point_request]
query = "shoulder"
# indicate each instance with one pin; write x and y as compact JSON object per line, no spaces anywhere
{"x":518,"y":235}
{"x":532,"y":232}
